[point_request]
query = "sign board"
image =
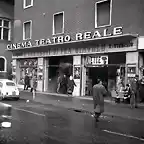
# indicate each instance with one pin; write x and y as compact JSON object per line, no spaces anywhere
{"x":97,"y":60}
{"x":141,"y":42}
{"x":67,"y":38}
{"x":131,"y":71}
{"x":99,"y":48}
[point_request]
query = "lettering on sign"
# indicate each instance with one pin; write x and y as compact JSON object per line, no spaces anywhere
{"x":67,"y":38}
{"x":97,"y":60}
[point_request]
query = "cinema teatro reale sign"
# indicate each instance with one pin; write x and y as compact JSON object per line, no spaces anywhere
{"x":67,"y":38}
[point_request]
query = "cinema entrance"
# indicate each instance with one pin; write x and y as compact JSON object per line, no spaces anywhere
{"x":110,"y":68}
{"x":58,"y":65}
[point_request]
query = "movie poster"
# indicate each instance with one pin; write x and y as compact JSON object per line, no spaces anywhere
{"x":77,"y":72}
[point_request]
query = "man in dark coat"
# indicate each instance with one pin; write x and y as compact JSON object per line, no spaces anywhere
{"x":135,"y":89}
{"x":142,"y":89}
{"x":98,"y":98}
{"x":62,"y":84}
{"x":70,"y":85}
{"x":26,"y":82}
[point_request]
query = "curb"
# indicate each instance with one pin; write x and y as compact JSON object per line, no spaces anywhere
{"x":63,"y":95}
{"x":90,"y":112}
{"x":81,"y":97}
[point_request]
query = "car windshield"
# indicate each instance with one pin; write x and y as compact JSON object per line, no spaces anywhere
{"x":10,"y":84}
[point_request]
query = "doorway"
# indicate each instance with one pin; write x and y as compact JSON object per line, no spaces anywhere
{"x":96,"y":73}
{"x":93,"y":74}
{"x":57,"y":65}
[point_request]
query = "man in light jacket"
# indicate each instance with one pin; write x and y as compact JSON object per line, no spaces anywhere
{"x":98,"y":98}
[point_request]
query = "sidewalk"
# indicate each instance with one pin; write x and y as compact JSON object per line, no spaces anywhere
{"x":86,"y":105}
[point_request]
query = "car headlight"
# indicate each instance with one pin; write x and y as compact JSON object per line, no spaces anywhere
{"x":6,"y":124}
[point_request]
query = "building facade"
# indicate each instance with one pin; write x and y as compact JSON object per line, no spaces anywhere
{"x":92,"y":38}
{"x":6,"y":24}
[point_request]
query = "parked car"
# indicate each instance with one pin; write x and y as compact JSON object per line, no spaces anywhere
{"x":8,"y":89}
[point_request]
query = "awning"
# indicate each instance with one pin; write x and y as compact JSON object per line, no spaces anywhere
{"x":84,"y":43}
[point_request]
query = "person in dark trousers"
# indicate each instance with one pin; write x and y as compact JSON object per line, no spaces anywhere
{"x":142,"y":89}
{"x":70,"y":85}
{"x":62,"y":84}
{"x":26,"y":82}
{"x":135,"y":89}
{"x":129,"y":95}
{"x":99,"y":92}
{"x":33,"y":85}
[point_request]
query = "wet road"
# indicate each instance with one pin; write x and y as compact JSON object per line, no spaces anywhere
{"x":35,"y":123}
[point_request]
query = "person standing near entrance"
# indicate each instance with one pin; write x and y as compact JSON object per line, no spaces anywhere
{"x":99,"y":92}
{"x":26,"y":82}
{"x":142,"y":89}
{"x":34,"y":86}
{"x":135,"y":89}
{"x":62,"y":84}
{"x":70,"y":85}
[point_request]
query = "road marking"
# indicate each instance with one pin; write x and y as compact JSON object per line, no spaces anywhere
{"x":31,"y":112}
{"x":6,"y":105}
{"x":124,"y":135}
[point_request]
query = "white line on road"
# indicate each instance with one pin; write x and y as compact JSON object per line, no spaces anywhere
{"x":31,"y":112}
{"x":124,"y":135}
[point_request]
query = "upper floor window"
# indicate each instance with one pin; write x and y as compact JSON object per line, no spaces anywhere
{"x":27,"y":3}
{"x":103,"y":11}
{"x":27,"y":30}
{"x":5,"y":29}
{"x":58,"y":23}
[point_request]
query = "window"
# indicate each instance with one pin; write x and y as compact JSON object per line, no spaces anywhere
{"x":103,"y":13}
{"x":27,"y":30}
{"x":10,"y":84}
{"x":27,"y":3}
{"x":58,"y":23}
{"x":3,"y":64}
{"x":5,"y":29}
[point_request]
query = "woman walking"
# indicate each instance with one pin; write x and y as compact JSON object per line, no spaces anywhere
{"x":70,"y":85}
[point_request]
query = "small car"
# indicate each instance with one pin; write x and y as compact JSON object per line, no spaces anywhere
{"x":8,"y":89}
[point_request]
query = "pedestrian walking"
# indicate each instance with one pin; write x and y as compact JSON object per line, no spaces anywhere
{"x":26,"y":82}
{"x":99,"y":92}
{"x":34,"y":86}
{"x":70,"y":85}
{"x":134,"y":83}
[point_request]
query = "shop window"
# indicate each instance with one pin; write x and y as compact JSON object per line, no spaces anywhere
{"x":2,"y":64}
{"x":103,"y":13}
{"x":27,"y":3}
{"x":27,"y":30}
{"x":5,"y":29}
{"x":58,"y":23}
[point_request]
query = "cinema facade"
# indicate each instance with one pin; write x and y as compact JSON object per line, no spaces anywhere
{"x":109,"y":54}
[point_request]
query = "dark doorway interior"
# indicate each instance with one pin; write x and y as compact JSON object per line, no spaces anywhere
{"x":58,"y":65}
{"x":2,"y":62}
{"x":98,"y":73}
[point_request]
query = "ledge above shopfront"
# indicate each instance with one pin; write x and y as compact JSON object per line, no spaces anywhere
{"x":82,"y":45}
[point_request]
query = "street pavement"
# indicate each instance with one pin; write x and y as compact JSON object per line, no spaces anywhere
{"x":86,"y":105}
{"x":39,"y":123}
